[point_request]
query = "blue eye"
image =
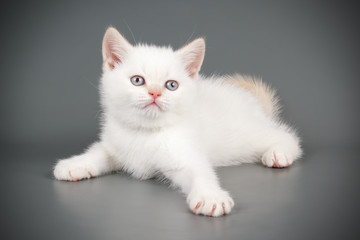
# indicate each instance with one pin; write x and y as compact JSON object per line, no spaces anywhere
{"x":137,"y":80}
{"x":172,"y":85}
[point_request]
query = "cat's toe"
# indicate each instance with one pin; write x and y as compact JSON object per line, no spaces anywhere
{"x":212,"y":205}
{"x":62,"y":172}
{"x":68,"y":170}
{"x":276,"y":159}
{"x":80,"y":173}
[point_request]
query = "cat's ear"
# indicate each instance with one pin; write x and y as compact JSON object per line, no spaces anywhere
{"x":114,"y":49}
{"x":192,"y":56}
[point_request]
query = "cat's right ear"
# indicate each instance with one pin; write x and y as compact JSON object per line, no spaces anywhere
{"x":114,"y":49}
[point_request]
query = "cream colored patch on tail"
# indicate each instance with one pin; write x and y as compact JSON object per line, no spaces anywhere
{"x":262,"y":91}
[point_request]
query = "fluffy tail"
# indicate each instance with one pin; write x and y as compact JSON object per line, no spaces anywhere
{"x":263,"y":92}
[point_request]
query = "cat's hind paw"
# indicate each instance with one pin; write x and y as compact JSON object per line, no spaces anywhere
{"x":276,"y":159}
{"x":213,"y":204}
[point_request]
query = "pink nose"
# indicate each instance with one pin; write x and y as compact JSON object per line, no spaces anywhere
{"x":155,"y":94}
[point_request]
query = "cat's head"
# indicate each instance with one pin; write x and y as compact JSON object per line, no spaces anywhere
{"x":148,"y":86}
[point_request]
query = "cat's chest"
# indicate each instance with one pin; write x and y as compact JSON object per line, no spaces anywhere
{"x":138,"y":152}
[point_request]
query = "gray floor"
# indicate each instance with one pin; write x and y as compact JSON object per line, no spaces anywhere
{"x":317,"y":198}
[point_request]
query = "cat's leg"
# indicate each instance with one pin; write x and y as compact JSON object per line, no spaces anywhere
{"x":283,"y":147}
{"x":199,"y":182}
{"x":94,"y":162}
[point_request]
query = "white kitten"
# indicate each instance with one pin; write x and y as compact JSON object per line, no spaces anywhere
{"x":161,"y":117}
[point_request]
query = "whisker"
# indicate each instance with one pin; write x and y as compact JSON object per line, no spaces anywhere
{"x":92,"y":84}
{"x":97,"y":114}
{"x":132,"y":34}
{"x":194,"y":29}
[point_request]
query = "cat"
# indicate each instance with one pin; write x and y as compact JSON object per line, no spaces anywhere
{"x":162,"y":118}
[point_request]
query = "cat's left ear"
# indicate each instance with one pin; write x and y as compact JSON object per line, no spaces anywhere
{"x":192,"y":56}
{"x":114,"y":49}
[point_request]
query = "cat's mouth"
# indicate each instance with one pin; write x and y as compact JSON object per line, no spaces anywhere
{"x":153,"y":104}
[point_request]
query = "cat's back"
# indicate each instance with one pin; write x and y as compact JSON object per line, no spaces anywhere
{"x":227,"y":116}
{"x":215,"y":95}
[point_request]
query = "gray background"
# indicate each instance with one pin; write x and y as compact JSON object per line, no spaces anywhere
{"x":50,"y":66}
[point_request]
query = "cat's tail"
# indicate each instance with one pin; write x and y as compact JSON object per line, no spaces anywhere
{"x":263,"y":92}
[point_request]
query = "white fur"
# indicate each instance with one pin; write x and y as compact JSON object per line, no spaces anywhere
{"x":204,"y":123}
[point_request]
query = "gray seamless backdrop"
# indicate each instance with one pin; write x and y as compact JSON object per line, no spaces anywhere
{"x":51,"y":60}
{"x":50,"y":64}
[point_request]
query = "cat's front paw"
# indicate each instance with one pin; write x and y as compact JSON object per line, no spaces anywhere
{"x":276,"y":159}
{"x":212,"y":204}
{"x":74,"y":169}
